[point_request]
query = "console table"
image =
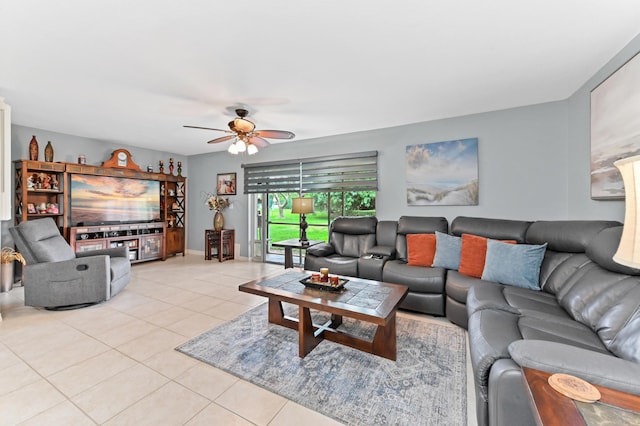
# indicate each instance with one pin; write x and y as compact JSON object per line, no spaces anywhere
{"x":223,"y":241}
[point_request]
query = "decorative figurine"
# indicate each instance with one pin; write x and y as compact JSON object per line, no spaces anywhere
{"x":150,"y":168}
{"x":161,"y":164}
{"x":171,"y":166}
{"x":179,"y":168}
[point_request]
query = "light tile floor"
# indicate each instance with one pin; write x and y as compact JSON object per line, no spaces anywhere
{"x":115,"y":363}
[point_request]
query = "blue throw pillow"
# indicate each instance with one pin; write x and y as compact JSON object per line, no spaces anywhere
{"x":448,"y":250}
{"x":514,"y":264}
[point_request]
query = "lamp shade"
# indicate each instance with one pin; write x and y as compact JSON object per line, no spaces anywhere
{"x":302,"y":205}
{"x":628,"y":253}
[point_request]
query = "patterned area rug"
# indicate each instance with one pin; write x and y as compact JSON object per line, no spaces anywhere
{"x":425,"y":386}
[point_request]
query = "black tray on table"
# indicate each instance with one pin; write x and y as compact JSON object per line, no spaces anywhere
{"x":324,"y":286}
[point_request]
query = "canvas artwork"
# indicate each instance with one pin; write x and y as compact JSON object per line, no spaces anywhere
{"x":615,"y":128}
{"x":443,"y":173}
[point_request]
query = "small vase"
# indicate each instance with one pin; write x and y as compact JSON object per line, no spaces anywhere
{"x":48,"y":152}
{"x":33,"y":149}
{"x":218,"y":221}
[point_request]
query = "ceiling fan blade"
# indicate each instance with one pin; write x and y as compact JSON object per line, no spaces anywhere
{"x":274,"y":134}
{"x":208,"y":128}
{"x":222,"y":139}
{"x":259,"y":142}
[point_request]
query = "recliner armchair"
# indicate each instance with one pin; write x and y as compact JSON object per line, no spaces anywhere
{"x":349,"y":239}
{"x":56,"y":277}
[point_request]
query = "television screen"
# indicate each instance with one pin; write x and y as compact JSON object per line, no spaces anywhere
{"x":105,"y":199}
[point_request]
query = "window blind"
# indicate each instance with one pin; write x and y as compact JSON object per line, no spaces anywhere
{"x":337,"y":173}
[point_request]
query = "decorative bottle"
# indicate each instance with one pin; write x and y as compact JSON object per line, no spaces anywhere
{"x":48,"y":152}
{"x":33,"y":149}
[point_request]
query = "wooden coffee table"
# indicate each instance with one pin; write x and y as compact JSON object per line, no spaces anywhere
{"x":365,"y":300}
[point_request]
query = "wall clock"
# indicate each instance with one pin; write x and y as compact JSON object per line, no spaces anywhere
{"x":121,"y":158}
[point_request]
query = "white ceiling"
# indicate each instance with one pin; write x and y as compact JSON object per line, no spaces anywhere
{"x":134,"y":72}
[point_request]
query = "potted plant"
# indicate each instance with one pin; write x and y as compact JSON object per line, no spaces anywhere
{"x":9,"y":256}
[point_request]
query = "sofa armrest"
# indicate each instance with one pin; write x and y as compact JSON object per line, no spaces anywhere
{"x":112,"y":252}
{"x":594,"y":367}
{"x":321,"y":250}
{"x":387,"y":251}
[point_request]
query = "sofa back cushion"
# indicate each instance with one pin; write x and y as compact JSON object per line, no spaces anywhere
{"x":417,"y":225}
{"x":386,"y":231}
{"x":353,"y":236}
{"x":40,"y":241}
{"x":497,"y":229}
{"x":570,"y":236}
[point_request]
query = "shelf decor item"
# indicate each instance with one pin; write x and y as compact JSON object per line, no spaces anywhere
{"x":171,"y":166}
{"x":8,"y":256}
{"x":33,"y":149}
{"x":218,"y":204}
{"x":48,"y":152}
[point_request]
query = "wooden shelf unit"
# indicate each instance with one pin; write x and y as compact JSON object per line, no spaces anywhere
{"x":40,"y":184}
{"x":174,"y":206}
{"x":159,"y":239}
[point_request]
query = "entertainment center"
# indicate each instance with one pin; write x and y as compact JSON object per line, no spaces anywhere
{"x":98,"y":207}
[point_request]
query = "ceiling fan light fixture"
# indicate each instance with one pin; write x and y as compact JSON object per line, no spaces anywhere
{"x":233,"y":149}
{"x":252,"y":149}
{"x":241,"y":146}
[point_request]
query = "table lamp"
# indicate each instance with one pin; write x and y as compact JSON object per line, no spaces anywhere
{"x":302,"y":206}
{"x":628,"y":253}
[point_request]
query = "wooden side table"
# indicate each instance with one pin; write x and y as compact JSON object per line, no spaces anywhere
{"x":551,"y":408}
{"x":223,"y":241}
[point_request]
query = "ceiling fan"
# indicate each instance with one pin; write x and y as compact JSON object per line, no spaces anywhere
{"x":247,"y":138}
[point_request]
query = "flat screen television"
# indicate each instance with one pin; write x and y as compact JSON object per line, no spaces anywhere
{"x":108,"y":200}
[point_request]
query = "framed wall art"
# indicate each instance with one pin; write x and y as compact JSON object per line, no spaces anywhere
{"x":615,"y":128}
{"x":443,"y":173}
{"x":226,"y":184}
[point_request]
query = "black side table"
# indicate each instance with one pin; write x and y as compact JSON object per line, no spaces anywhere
{"x":289,"y":245}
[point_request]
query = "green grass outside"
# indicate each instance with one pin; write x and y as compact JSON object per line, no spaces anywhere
{"x":284,"y":232}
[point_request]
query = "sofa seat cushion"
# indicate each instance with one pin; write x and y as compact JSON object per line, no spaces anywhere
{"x":458,"y":285}
{"x":489,"y":295}
{"x":419,"y":279}
{"x":340,"y":265}
{"x":560,"y":330}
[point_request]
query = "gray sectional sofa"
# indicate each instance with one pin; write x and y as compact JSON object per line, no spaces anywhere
{"x":584,"y":320}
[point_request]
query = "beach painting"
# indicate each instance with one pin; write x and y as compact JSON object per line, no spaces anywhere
{"x":443,"y":173}
{"x":615,"y":129}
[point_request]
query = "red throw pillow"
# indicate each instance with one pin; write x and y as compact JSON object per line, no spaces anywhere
{"x":473,"y":254}
{"x":421,"y":248}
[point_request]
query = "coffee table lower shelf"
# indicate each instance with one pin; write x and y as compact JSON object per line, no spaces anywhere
{"x":310,"y":334}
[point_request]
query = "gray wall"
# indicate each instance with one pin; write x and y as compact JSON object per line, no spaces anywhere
{"x":522,"y":166}
{"x":580,"y":204}
{"x":533,"y":163}
{"x":68,"y":147}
